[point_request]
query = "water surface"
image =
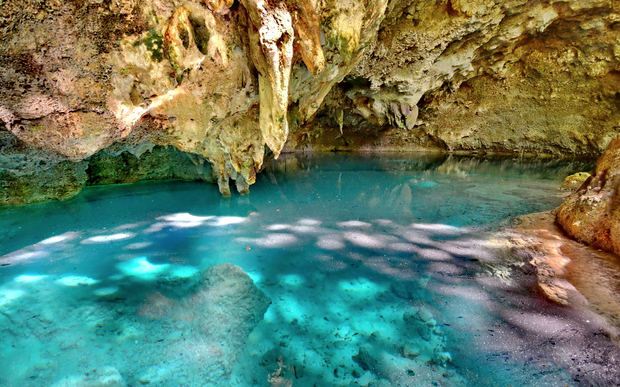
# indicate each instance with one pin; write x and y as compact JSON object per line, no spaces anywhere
{"x":379,"y":271}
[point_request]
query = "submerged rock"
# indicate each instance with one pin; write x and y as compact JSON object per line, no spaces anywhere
{"x":99,"y":377}
{"x":217,"y":319}
{"x":226,"y":308}
{"x":168,"y":339}
{"x":433,"y":346}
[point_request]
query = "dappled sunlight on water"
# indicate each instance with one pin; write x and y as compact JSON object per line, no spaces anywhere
{"x":377,"y":272}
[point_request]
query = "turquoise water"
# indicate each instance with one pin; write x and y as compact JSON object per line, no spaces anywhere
{"x":369,"y":271}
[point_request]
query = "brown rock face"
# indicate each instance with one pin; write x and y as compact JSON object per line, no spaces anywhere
{"x":214,"y":78}
{"x":592,"y":214}
{"x":481,"y":76}
{"x":227,"y":79}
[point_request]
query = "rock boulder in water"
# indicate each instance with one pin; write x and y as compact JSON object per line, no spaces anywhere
{"x":215,"y":320}
{"x":156,"y":337}
{"x":227,"y":307}
{"x":575,"y":181}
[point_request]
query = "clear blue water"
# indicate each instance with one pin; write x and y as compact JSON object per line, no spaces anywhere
{"x":379,"y":272}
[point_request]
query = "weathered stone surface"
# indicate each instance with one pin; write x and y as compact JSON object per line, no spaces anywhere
{"x":209,"y":77}
{"x":592,"y":214}
{"x":154,"y":163}
{"x":565,"y":271}
{"x":486,"y":76}
{"x":575,"y":180}
{"x":219,"y":316}
{"x":224,"y":79}
{"x":29,"y":175}
{"x":178,"y":330}
{"x":103,"y":377}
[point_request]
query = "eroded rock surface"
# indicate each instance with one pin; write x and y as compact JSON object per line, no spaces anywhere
{"x":227,"y":79}
{"x":214,"y":78}
{"x":28,"y":174}
{"x":592,"y":214}
{"x":567,"y":272}
{"x":159,"y":330}
{"x":482,"y":76}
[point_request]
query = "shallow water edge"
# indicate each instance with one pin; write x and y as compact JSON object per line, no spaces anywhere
{"x":353,"y":270}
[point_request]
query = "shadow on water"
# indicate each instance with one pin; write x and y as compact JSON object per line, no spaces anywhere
{"x":379,"y":270}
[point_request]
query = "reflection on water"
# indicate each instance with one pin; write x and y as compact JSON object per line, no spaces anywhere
{"x":346,"y":270}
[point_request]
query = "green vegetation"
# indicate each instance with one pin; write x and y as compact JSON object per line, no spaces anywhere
{"x":154,"y":42}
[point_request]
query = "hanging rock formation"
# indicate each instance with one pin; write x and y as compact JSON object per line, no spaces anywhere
{"x":481,"y":76}
{"x":224,"y":79}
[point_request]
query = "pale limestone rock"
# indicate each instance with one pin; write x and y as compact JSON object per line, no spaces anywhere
{"x":575,"y":180}
{"x":271,"y":48}
{"x":222,"y":79}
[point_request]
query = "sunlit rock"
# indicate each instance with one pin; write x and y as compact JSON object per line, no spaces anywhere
{"x":575,"y":180}
{"x":221,"y":81}
{"x":591,"y":214}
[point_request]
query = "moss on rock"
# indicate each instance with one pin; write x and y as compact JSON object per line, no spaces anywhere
{"x":157,"y":164}
{"x":62,"y":181}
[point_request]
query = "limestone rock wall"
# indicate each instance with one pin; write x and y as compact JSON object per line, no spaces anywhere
{"x":28,"y":174}
{"x":592,"y":213}
{"x":525,"y":77}
{"x":235,"y":81}
{"x":214,"y":78}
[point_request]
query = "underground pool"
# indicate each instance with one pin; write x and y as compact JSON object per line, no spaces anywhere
{"x":336,"y":270}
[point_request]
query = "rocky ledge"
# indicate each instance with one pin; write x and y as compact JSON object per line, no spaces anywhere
{"x":224,"y":79}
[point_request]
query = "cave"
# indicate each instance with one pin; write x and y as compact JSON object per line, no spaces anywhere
{"x":309,"y":193}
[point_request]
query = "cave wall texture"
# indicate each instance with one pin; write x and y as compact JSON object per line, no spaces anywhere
{"x":592,"y":213}
{"x":232,"y":82}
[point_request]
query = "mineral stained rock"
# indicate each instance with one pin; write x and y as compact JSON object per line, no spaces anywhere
{"x":575,"y":181}
{"x":592,"y":213}
{"x":28,"y":174}
{"x":480,"y":76}
{"x":225,"y":79}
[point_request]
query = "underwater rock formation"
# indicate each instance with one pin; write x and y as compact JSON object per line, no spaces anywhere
{"x":592,"y":213}
{"x":565,"y":271}
{"x":225,"y":79}
{"x":105,"y":377}
{"x":187,"y":330}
